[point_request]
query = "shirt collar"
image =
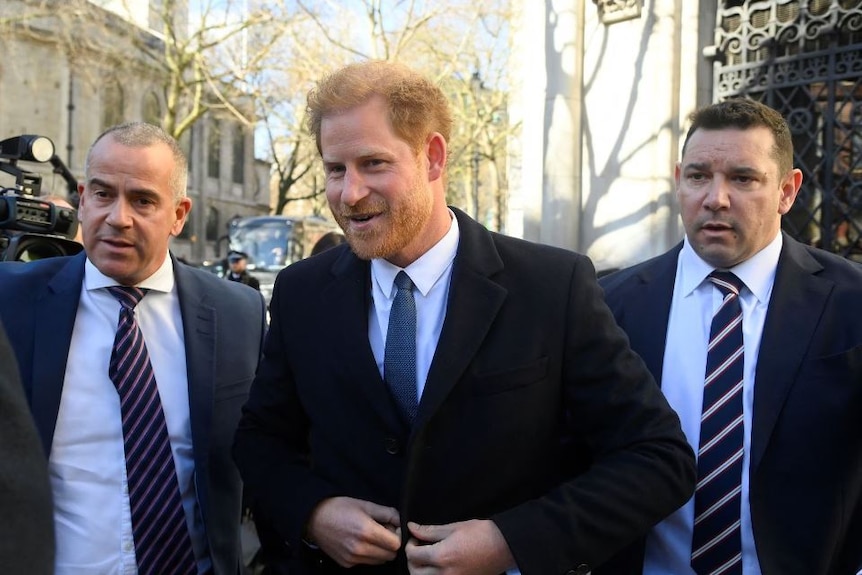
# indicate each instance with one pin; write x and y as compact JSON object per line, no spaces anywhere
{"x":425,"y":271}
{"x":757,"y":272}
{"x":162,"y":280}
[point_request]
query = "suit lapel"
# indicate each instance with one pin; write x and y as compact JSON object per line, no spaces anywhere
{"x":54,"y":321}
{"x":649,"y":302}
{"x":348,"y":296}
{"x":786,"y":337}
{"x":474,"y":301}
{"x":199,"y":334}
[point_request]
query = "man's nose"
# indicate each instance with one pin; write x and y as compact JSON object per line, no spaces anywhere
{"x":119,"y":214}
{"x":353,"y":187}
{"x":718,"y":194}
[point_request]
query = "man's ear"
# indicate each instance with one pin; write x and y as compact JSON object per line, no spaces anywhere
{"x":789,"y":189}
{"x":436,"y":152}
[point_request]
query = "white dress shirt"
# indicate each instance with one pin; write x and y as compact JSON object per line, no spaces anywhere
{"x":431,"y":274}
{"x":695,"y":300}
{"x":87,"y":464}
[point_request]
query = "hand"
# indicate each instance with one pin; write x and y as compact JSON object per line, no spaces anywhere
{"x":353,"y":532}
{"x":473,"y":547}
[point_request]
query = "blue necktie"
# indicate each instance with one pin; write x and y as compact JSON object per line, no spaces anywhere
{"x":162,"y":541}
{"x":399,"y":360}
{"x":717,"y":541}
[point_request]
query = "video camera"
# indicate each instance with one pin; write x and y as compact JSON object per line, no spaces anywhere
{"x":32,"y":228}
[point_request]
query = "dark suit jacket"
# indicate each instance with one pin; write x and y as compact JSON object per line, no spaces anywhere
{"x":806,"y":444}
{"x":531,"y":381}
{"x":27,"y":533}
{"x":223,"y":324}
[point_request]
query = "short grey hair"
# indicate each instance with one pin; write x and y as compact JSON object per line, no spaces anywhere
{"x":142,"y":134}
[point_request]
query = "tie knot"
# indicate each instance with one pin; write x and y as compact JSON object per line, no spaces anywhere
{"x":128,"y":297}
{"x":403,"y":281}
{"x":727,"y":282}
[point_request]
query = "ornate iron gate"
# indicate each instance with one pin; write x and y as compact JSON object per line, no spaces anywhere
{"x":804,"y":58}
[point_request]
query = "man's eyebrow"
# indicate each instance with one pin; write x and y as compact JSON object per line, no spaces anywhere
{"x":744,"y":170}
{"x":697,"y":166}
{"x":100,"y":182}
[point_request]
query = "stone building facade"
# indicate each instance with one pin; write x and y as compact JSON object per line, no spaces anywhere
{"x":50,"y":88}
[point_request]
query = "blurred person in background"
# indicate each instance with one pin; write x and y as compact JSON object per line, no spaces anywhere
{"x":237,"y":263}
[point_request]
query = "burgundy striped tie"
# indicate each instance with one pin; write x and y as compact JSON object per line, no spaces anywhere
{"x":162,"y":542}
{"x":717,"y":544}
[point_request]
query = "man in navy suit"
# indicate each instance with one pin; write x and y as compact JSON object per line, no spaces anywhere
{"x":798,"y":508}
{"x":203,"y":337}
{"x":534,"y":440}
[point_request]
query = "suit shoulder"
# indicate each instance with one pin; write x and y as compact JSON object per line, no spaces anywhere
{"x":216,"y":288}
{"x":836,"y":265}
{"x":513,"y":249}
{"x":26,"y":273}
{"x":320,"y":264}
{"x":619,"y":278}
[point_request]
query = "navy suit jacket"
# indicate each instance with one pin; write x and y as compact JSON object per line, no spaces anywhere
{"x":529,"y":364}
{"x":223,"y":323}
{"x":806,"y":441}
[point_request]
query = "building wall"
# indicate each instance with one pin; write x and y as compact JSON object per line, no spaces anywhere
{"x":46,"y":91}
{"x":603,"y":121}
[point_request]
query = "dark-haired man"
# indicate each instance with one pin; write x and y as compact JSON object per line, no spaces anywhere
{"x":756,"y":341}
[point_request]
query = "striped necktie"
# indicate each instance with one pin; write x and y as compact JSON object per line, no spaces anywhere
{"x":399,"y":357}
{"x":717,"y":543}
{"x":162,"y":541}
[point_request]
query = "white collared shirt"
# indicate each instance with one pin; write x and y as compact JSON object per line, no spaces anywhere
{"x":87,"y":463}
{"x":431,"y":274}
{"x":695,"y":300}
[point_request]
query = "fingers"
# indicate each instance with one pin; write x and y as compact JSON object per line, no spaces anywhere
{"x":384,"y":515}
{"x":430,"y":533}
{"x":476,"y":547}
{"x":421,"y":551}
{"x":346,"y":530}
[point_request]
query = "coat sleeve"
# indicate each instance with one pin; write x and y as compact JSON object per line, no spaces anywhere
{"x":271,"y":443}
{"x":641,"y":467}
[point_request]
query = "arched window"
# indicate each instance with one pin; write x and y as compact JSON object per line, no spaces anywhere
{"x":112,"y":104}
{"x":238,"y":155}
{"x":214,"y":150}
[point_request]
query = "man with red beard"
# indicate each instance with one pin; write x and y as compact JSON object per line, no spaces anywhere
{"x":435,"y":397}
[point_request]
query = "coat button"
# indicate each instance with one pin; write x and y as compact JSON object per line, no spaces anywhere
{"x":392,"y":447}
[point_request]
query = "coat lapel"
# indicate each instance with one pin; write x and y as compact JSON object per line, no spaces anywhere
{"x":199,"y":333}
{"x":54,"y":321}
{"x":348,"y":296}
{"x":474,"y":300}
{"x":649,"y":302}
{"x":786,"y":337}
